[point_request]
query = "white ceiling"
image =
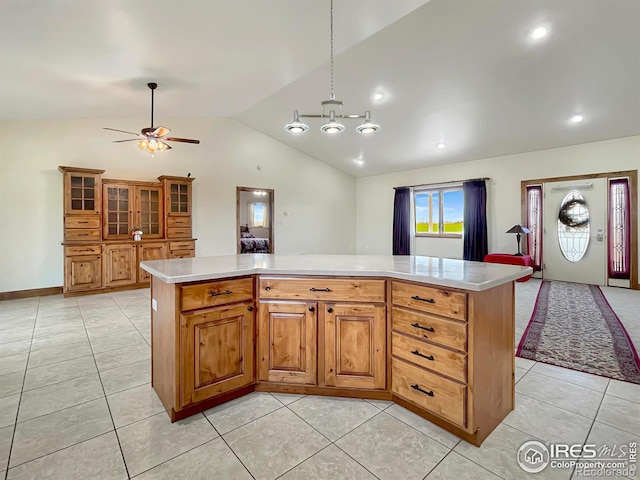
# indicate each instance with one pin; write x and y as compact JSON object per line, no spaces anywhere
{"x":462,"y":72}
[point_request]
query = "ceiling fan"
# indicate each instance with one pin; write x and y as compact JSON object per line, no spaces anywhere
{"x":152,"y":139}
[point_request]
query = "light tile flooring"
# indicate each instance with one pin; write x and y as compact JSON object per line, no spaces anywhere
{"x":76,"y":403}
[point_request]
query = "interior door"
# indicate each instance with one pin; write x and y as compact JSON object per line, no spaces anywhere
{"x":574,"y":218}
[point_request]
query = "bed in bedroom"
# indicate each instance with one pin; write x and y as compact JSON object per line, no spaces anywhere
{"x":250,"y":244}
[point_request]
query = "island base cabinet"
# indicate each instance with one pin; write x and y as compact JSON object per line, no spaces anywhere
{"x":287,"y":342}
{"x":354,"y":347}
{"x":217,"y":351}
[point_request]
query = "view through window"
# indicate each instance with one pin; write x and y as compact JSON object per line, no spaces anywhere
{"x":439,"y":211}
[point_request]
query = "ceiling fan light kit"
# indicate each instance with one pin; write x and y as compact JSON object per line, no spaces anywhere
{"x":153,"y":140}
{"x":334,"y":108}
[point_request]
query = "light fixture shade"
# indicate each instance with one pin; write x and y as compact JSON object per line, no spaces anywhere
{"x":332,"y":126}
{"x":367,"y":126}
{"x":296,"y":126}
{"x":518,"y":229}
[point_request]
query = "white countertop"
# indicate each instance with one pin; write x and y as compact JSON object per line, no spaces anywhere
{"x":446,"y":272}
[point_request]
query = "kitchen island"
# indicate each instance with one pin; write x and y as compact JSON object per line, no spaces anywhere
{"x":434,"y":335}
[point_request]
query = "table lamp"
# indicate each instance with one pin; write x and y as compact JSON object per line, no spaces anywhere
{"x":518,"y":230}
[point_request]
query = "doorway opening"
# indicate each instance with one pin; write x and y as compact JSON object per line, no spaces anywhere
{"x":254,"y":220}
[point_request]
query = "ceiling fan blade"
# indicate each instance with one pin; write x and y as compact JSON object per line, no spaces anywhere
{"x":161,"y":131}
{"x":184,"y":140}
{"x":121,"y":131}
{"x":128,"y":140}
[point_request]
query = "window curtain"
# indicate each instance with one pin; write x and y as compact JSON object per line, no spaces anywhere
{"x":619,"y":229}
{"x":258,"y":215}
{"x":402,"y":221}
{"x":475,"y":244}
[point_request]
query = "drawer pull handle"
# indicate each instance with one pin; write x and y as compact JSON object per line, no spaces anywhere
{"x":214,"y":294}
{"x":312,"y":289}
{"x":428,"y":300}
{"x":83,"y":222}
{"x":428,"y":357}
{"x":417,"y":387}
{"x":428,"y":329}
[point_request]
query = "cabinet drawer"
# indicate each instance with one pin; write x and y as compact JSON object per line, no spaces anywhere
{"x":179,"y":232}
{"x":185,"y":245}
{"x":84,"y":221}
{"x":181,"y":222}
{"x":216,"y":293}
{"x":438,"y":359}
{"x":323,"y":289}
{"x":82,"y":250}
{"x":182,"y":254}
{"x":440,"y":396}
{"x":435,"y":329}
{"x":81,"y":234}
{"x":430,"y":299}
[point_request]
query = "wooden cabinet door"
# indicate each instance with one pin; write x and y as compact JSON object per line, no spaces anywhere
{"x":216,"y":350}
{"x":150,"y":251}
{"x":287,"y":334}
{"x":149,"y":211}
{"x":120,"y":265}
{"x":117,"y":220}
{"x":178,"y":197}
{"x":83,"y":272}
{"x":81,"y":193}
{"x":355,"y":345}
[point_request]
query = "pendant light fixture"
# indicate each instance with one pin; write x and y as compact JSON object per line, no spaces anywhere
{"x":331,"y":109}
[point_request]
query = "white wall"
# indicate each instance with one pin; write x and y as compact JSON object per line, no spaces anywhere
{"x":320,"y":199}
{"x":375,"y":194}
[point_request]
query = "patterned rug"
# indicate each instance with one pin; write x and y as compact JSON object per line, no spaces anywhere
{"x":573,"y":326}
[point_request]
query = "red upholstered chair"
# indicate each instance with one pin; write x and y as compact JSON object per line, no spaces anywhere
{"x":509,"y":259}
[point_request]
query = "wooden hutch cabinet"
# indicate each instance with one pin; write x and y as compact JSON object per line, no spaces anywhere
{"x":99,"y":216}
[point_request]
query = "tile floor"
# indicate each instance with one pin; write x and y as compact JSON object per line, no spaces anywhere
{"x":76,"y":403}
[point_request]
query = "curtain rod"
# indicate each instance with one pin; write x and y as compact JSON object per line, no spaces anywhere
{"x":442,"y":183}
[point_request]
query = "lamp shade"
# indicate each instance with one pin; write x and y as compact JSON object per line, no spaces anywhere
{"x":518,"y":229}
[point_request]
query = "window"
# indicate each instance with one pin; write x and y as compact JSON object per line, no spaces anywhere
{"x":619,"y":229}
{"x":439,"y":211}
{"x":534,"y":223}
{"x":258,"y":215}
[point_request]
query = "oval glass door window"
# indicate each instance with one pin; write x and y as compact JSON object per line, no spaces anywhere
{"x":573,"y":226}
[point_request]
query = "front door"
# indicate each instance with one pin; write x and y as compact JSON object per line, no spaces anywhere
{"x":574,"y":218}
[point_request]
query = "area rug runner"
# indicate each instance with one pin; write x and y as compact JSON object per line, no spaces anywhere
{"x":573,"y":326}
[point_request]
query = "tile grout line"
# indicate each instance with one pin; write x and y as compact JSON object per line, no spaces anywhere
{"x":24,"y":376}
{"x":134,"y":325}
{"x":591,"y":427}
{"x":115,"y":430}
{"x":566,"y":381}
{"x":556,"y":406}
{"x":227,"y":444}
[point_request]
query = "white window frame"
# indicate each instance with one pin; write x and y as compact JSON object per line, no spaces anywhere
{"x":440,"y":190}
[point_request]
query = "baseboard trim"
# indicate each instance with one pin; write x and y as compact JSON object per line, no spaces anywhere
{"x":34,"y":292}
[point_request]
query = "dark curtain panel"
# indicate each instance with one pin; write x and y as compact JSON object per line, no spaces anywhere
{"x":402,"y":222}
{"x":475,"y":245}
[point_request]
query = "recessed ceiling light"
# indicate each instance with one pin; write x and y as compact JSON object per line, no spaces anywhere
{"x":441,"y":145}
{"x":539,"y":33}
{"x":378,"y":96}
{"x":577,"y":118}
{"x":359,"y":162}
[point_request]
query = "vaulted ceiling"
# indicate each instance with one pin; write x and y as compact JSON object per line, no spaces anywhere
{"x":464,"y":73}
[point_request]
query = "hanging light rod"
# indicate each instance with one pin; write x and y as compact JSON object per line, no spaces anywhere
{"x":331,"y":109}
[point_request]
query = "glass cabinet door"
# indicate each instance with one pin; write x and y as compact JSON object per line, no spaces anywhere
{"x":83,"y":194}
{"x":117,"y":217}
{"x":149,"y":211}
{"x":179,"y":200}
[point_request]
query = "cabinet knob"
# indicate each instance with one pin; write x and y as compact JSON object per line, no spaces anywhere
{"x":312,"y":309}
{"x":267,"y":288}
{"x":330,"y":310}
{"x":250,"y":308}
